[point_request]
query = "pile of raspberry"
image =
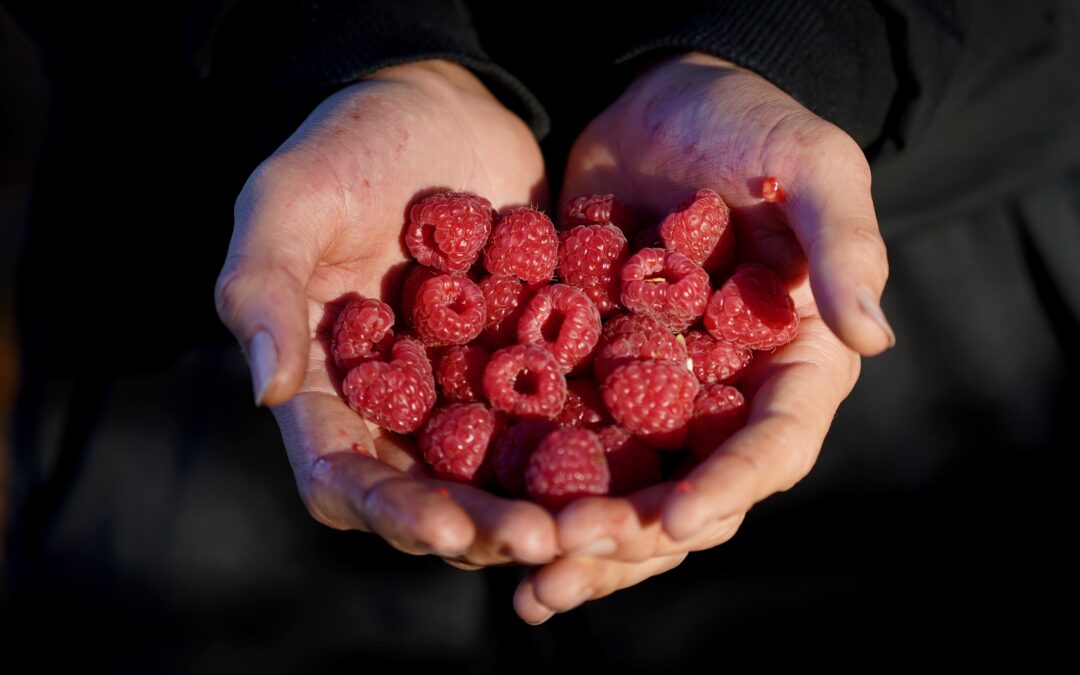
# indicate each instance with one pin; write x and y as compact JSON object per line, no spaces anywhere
{"x":555,"y":364}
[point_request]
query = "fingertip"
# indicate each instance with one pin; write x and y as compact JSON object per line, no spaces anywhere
{"x":534,"y":541}
{"x":449,"y":531}
{"x":870,"y":305}
{"x":583,"y":527}
{"x":262,"y":358}
{"x":855,"y":316}
{"x":528,"y":607}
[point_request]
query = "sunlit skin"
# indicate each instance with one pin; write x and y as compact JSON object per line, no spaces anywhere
{"x":322,"y":218}
{"x":692,"y":122}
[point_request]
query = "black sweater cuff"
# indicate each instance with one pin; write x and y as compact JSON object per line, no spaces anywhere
{"x":319,"y":46}
{"x":832,"y":56}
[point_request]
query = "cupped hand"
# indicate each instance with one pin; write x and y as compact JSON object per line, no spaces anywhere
{"x":696,"y":121}
{"x":322,"y":219}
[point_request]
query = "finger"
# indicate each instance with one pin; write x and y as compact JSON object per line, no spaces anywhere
{"x":260,"y":292}
{"x":829,"y":206}
{"x":568,"y":583}
{"x":345,"y":486}
{"x":630,"y":529}
{"x":792,"y":405}
{"x":506,"y":530}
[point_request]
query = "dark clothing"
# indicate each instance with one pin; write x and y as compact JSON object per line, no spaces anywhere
{"x":153,"y":503}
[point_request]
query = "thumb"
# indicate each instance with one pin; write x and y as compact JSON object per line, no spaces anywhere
{"x":261,"y":295}
{"x":831,"y":211}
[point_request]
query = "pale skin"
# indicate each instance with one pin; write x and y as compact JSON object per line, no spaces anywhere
{"x":322,"y":218}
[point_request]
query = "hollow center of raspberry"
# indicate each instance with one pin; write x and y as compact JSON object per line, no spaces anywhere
{"x":664,"y":276}
{"x":427,"y":231}
{"x":526,"y":383}
{"x":460,"y":304}
{"x":552,"y":327}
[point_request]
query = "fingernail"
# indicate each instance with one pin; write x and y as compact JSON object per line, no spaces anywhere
{"x":537,"y":623}
{"x":262,"y":355}
{"x":870,"y":307}
{"x":597,"y":549}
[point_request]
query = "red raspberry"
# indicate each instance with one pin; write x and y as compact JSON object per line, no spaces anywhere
{"x":633,"y":337}
{"x":584,"y":407}
{"x":633,"y":464}
{"x":771,"y":190}
{"x":459,"y":371}
{"x":359,"y":330}
{"x":512,"y":452}
{"x":505,"y":297}
{"x":667,"y":286}
{"x":564,"y":321}
{"x":652,"y":399}
{"x":396,"y":395}
{"x":591,"y":257}
{"x":569,"y":463}
{"x":450,"y":310}
{"x":455,"y":440}
{"x":525,"y":381}
{"x":448,"y":230}
{"x":417,"y":276}
{"x":700,"y":228}
{"x":600,"y":210}
{"x":753,"y":308}
{"x":715,"y":360}
{"x":719,"y":411}
{"x":524,"y":245}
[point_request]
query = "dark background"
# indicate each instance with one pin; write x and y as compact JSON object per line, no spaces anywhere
{"x":152,"y":523}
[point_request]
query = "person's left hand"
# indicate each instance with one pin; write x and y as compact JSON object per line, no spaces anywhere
{"x":696,"y":121}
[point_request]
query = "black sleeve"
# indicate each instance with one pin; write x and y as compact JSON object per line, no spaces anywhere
{"x":322,"y":45}
{"x":851,"y":61}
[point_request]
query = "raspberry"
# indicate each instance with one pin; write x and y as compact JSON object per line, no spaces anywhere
{"x":512,"y":452}
{"x":450,"y":310}
{"x":652,"y":399}
{"x":600,"y":210}
{"x":584,"y":407}
{"x":359,"y":330}
{"x":564,"y":321}
{"x":666,"y":286}
{"x":525,"y":381}
{"x":569,"y":463}
{"x":591,"y":257}
{"x":753,"y":308}
{"x":632,"y":463}
{"x":715,"y":360}
{"x":719,"y":411}
{"x":455,"y":440}
{"x":505,"y":297}
{"x":448,"y":230}
{"x":771,"y":191}
{"x":700,"y":228}
{"x":417,"y":276}
{"x":459,"y":371}
{"x":396,"y":395}
{"x":523,"y":244}
{"x":631,"y":337}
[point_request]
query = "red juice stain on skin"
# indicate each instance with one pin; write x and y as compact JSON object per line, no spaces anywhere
{"x":443,"y":491}
{"x":770,"y":190}
{"x":684,"y":486}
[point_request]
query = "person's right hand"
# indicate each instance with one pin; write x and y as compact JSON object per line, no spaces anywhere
{"x":322,"y":218}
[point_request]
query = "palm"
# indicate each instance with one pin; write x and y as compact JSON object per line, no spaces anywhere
{"x":328,"y":208}
{"x":696,"y":122}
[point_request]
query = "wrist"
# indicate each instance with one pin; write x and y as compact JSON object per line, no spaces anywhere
{"x":437,"y":77}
